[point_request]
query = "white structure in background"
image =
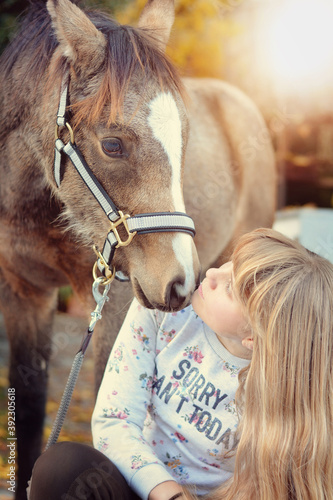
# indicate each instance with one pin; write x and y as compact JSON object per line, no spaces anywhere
{"x":312,"y":227}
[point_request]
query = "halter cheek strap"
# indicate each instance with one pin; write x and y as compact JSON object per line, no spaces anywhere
{"x":137,"y":224}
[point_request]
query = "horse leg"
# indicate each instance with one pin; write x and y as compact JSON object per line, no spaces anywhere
{"x":28,"y":320}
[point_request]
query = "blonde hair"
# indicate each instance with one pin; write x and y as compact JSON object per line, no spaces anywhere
{"x":285,"y":449}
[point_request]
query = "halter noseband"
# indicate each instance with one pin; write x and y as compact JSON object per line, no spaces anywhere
{"x":137,"y":224}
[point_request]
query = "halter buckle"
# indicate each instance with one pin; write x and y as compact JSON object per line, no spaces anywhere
{"x":69,"y":128}
{"x":114,"y":225}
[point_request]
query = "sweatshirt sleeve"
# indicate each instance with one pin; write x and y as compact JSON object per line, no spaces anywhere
{"x":123,"y":400}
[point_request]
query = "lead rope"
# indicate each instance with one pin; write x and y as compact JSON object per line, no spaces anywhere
{"x":100,"y":299}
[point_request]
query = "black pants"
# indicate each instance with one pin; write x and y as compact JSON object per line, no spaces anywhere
{"x":73,"y":471}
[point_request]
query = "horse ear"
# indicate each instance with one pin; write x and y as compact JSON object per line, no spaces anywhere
{"x":79,"y":39}
{"x":158,"y":15}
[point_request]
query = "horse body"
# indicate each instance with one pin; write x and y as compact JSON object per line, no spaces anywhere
{"x":229,"y":181}
{"x":137,"y":147}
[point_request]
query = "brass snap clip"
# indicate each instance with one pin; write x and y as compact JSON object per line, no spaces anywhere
{"x":109,"y":274}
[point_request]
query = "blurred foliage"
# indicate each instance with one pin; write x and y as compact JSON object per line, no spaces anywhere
{"x":64,"y":295}
{"x":200,"y":32}
{"x":12,"y":10}
{"x":9,"y":12}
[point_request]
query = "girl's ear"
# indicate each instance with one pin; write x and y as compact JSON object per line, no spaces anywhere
{"x":248,"y":342}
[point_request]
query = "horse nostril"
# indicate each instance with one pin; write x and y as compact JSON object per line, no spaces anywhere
{"x":174,"y":296}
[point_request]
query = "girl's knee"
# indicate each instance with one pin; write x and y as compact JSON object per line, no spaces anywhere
{"x":76,"y":471}
{"x":58,"y":467}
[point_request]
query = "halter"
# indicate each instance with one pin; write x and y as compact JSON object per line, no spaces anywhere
{"x":137,"y":224}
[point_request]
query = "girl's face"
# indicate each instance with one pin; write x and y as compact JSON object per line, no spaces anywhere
{"x":216,"y":304}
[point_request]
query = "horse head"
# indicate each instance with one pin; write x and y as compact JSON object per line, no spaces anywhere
{"x":130,"y":124}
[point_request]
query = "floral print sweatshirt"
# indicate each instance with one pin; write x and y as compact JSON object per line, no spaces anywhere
{"x":166,"y":406}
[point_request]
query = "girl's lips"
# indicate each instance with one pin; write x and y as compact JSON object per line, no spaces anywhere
{"x":200,"y":291}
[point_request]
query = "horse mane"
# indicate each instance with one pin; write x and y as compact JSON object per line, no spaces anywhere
{"x":33,"y":40}
{"x":129,"y":51}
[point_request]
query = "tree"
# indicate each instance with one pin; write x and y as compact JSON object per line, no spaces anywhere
{"x":201,"y":29}
{"x":9,"y":12}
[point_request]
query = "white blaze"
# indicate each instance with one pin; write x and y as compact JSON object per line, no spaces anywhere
{"x":182,"y":246}
{"x":165,"y":123}
{"x":164,"y":120}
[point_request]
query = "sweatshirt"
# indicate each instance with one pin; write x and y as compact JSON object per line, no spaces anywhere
{"x":166,"y":405}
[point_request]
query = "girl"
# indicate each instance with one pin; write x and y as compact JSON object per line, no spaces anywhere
{"x":165,"y":409}
{"x":166,"y":414}
{"x":285,"y":396}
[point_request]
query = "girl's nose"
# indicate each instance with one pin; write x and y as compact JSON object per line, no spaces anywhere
{"x":212,"y":276}
{"x":215,"y":273}
{"x":212,"y":272}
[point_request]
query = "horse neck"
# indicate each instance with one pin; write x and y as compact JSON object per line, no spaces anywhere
{"x":24,"y":190}
{"x":23,"y":68}
{"x":19,"y":96}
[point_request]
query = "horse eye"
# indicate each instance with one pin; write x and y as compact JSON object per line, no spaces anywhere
{"x":112,"y":147}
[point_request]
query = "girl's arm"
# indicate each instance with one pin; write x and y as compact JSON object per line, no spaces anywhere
{"x":170,"y":490}
{"x":165,"y":491}
{"x":122,"y":403}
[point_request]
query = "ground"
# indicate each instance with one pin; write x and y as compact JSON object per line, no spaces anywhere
{"x":68,"y":334}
